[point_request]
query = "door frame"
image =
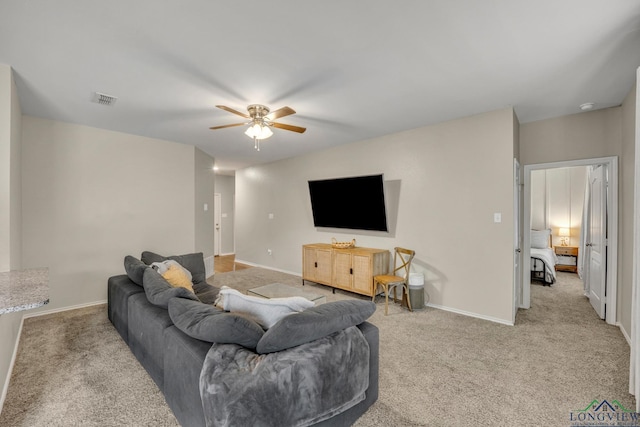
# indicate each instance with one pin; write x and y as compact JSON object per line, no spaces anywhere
{"x":612,"y":226}
{"x":517,"y":239}
{"x":217,"y":227}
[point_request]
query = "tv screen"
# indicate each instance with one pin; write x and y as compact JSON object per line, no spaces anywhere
{"x":355,"y":203}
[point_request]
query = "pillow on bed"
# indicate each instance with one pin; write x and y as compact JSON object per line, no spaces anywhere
{"x":540,"y":238}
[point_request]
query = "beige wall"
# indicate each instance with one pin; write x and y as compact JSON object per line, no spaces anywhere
{"x":627,"y":191}
{"x":204,"y":184}
{"x":10,"y":183}
{"x":10,"y":212}
{"x":600,"y":133}
{"x":5,"y":167}
{"x":92,"y":196}
{"x":579,"y":136}
{"x":16,"y":180}
{"x":447,"y":181}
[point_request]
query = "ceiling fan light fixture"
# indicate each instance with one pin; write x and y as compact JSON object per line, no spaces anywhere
{"x":261,"y":119}
{"x":258,"y":131}
{"x":265,"y":133}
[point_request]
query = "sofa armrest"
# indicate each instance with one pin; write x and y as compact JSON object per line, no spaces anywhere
{"x":119,"y":289}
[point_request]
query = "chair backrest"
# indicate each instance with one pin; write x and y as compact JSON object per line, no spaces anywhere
{"x":402,"y":262}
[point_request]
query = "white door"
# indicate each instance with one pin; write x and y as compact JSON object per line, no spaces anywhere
{"x":217,"y":230}
{"x":517,"y":239}
{"x":596,"y":240}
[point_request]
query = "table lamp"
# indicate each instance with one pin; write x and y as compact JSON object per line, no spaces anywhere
{"x":564,"y":234}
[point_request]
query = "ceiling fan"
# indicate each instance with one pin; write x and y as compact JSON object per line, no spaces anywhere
{"x":261,"y":120}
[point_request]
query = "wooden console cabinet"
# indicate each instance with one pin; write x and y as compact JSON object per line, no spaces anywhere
{"x":348,"y":269}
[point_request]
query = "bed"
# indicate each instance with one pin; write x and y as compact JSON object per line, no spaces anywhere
{"x":543,"y":258}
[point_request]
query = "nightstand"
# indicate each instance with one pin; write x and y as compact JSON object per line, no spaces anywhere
{"x":567,"y":258}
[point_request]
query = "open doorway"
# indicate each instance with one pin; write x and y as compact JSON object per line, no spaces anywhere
{"x":603,"y":255}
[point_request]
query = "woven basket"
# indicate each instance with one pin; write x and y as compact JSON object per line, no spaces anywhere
{"x":342,"y":245}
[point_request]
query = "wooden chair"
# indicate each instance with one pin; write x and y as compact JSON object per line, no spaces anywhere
{"x":400,"y":278}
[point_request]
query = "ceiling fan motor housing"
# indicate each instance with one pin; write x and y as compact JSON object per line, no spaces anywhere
{"x":257,"y":111}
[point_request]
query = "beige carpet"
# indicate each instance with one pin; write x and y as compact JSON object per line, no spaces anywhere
{"x":437,"y":368}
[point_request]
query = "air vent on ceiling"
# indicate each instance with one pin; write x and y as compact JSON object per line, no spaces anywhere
{"x":103,"y":99}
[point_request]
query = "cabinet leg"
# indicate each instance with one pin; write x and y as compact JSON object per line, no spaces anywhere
{"x":334,"y":290}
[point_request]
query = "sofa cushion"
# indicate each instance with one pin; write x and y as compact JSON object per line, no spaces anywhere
{"x":208,"y":323}
{"x":119,"y":289}
{"x":159,"y":291}
{"x":313,"y":323}
{"x":193,"y":262}
{"x":146,"y":331}
{"x":267,"y":312}
{"x":135,"y":269}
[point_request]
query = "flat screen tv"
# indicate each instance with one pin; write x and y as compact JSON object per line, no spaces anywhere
{"x":355,"y":203}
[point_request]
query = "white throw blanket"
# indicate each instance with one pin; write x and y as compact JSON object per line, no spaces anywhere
{"x":266,"y":312}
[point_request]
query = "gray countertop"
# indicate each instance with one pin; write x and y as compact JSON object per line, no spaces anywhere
{"x":23,"y":289}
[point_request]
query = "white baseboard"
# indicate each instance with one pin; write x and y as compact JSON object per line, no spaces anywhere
{"x":624,"y":333}
{"x":61,"y":309}
{"x":252,"y":264}
{"x":208,"y":266}
{"x":439,"y":307}
{"x":470,"y":314}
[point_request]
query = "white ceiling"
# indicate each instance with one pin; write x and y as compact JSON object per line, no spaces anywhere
{"x":352,"y":70}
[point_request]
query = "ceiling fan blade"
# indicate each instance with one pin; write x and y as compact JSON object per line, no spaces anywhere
{"x":280,"y":112}
{"x":289,"y":127}
{"x":231,"y":110}
{"x":227,"y":126}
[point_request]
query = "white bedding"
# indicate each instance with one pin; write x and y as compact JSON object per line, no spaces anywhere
{"x":548,"y":256}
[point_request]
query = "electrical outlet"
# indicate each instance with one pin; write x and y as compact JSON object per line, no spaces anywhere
{"x":269,"y":252}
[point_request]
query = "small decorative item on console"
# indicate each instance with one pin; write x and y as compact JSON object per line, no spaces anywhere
{"x":342,"y":245}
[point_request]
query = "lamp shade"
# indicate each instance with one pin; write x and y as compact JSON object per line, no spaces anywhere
{"x":564,"y":232}
{"x":258,"y":131}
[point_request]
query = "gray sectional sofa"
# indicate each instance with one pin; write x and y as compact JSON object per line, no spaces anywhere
{"x":318,"y":367}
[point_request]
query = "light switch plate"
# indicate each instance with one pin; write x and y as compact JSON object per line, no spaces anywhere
{"x":497,"y":217}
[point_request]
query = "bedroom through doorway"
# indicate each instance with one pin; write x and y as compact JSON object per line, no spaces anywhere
{"x":571,"y":211}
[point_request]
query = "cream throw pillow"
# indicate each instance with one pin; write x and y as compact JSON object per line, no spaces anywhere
{"x":177,"y":278}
